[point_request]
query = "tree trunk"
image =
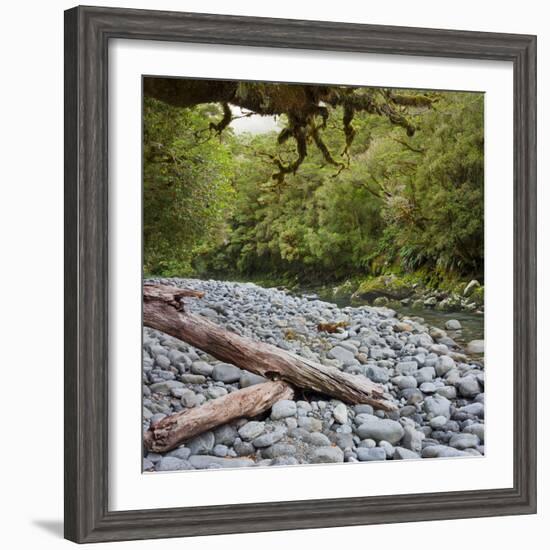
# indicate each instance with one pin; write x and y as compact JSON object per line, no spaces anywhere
{"x":173,"y":430}
{"x":164,"y":311}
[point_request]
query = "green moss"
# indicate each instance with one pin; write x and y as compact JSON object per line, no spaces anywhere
{"x":478,"y":296}
{"x":388,"y":286}
{"x":345,"y":289}
{"x":398,"y":286}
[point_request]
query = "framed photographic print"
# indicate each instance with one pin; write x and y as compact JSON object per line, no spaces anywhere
{"x":300,"y":274}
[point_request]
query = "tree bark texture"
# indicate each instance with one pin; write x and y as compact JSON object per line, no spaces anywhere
{"x":163,"y":310}
{"x":172,"y":430}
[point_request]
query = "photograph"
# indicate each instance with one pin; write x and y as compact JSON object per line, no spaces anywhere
{"x":289,"y":260}
{"x":313,"y":274}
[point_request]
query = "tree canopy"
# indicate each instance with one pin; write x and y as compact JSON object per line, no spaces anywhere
{"x":306,"y":108}
{"x":356,"y":181}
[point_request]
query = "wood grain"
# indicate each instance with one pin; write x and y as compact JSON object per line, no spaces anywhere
{"x":163,"y":310}
{"x":172,"y":430}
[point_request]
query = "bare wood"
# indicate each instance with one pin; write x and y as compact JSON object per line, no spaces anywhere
{"x":164,"y":311}
{"x":171,"y":293}
{"x":172,"y":430}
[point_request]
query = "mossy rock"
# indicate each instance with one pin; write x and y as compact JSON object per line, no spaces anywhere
{"x":345,"y":289}
{"x":450,"y":303}
{"x":478,"y":296}
{"x":381,"y":301}
{"x":388,"y":286}
{"x":460,"y":287}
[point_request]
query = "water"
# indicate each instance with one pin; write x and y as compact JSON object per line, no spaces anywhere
{"x":472,"y":323}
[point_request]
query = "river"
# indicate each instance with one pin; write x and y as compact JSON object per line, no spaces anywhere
{"x":472,"y":323}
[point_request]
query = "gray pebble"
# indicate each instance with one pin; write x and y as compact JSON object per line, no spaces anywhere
{"x":279,"y":449}
{"x":193,"y":378}
{"x":224,"y":372}
{"x":283,"y":409}
{"x":220,"y":450}
{"x":225,"y":435}
{"x":437,"y":406}
{"x":216,"y":391}
{"x":378,"y":429}
{"x":317,"y":438}
{"x":441,"y":451}
{"x":201,"y":444}
{"x":476,"y":429}
{"x":464,"y":441}
{"x":404,"y":454}
{"x":182,"y":453}
{"x":244,"y":448}
{"x":340,"y":413}
{"x":310,"y":424}
{"x":171,"y":463}
{"x":251,"y":430}
{"x":248,"y":379}
{"x":202,"y":462}
{"x":268,"y":439}
{"x":202,"y":368}
{"x":406,"y":368}
{"x":365,"y":454}
{"x":165,"y":387}
{"x":343,"y":355}
{"x":468,"y":386}
{"x":321,"y":455}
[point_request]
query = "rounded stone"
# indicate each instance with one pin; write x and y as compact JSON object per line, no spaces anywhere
{"x":226,"y":373}
{"x":321,"y":455}
{"x":340,"y":413}
{"x":171,"y":463}
{"x":464,"y":441}
{"x":476,"y":347}
{"x":366,"y":454}
{"x":381,"y":429}
{"x":468,"y":386}
{"x":283,"y":409}
{"x":251,"y":430}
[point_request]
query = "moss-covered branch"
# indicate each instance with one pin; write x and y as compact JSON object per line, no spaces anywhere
{"x":302,"y":105}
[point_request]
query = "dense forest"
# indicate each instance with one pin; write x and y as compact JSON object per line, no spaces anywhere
{"x":395,"y":190}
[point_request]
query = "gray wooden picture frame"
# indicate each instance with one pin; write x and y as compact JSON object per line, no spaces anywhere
{"x":87,"y":34}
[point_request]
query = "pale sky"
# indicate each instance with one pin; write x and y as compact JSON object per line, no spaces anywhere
{"x":255,"y":124}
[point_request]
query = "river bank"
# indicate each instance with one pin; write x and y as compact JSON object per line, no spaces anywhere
{"x":411,"y":293}
{"x":438,"y":389}
{"x":472,"y":322}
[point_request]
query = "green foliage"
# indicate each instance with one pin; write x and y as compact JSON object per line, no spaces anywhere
{"x":187,"y":192}
{"x":385,"y":285}
{"x":386,"y":203}
{"x":434,"y":213}
{"x":478,"y":296}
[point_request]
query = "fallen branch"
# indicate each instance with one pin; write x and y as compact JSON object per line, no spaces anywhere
{"x":164,"y":292}
{"x":172,"y":430}
{"x":164,"y":311}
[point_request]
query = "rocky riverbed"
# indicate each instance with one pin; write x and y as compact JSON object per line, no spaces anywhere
{"x":438,"y":386}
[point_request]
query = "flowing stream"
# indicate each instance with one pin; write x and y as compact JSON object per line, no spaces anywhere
{"x":472,"y":323}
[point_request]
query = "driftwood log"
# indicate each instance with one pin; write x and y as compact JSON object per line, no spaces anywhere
{"x":176,"y":428}
{"x":164,"y":310}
